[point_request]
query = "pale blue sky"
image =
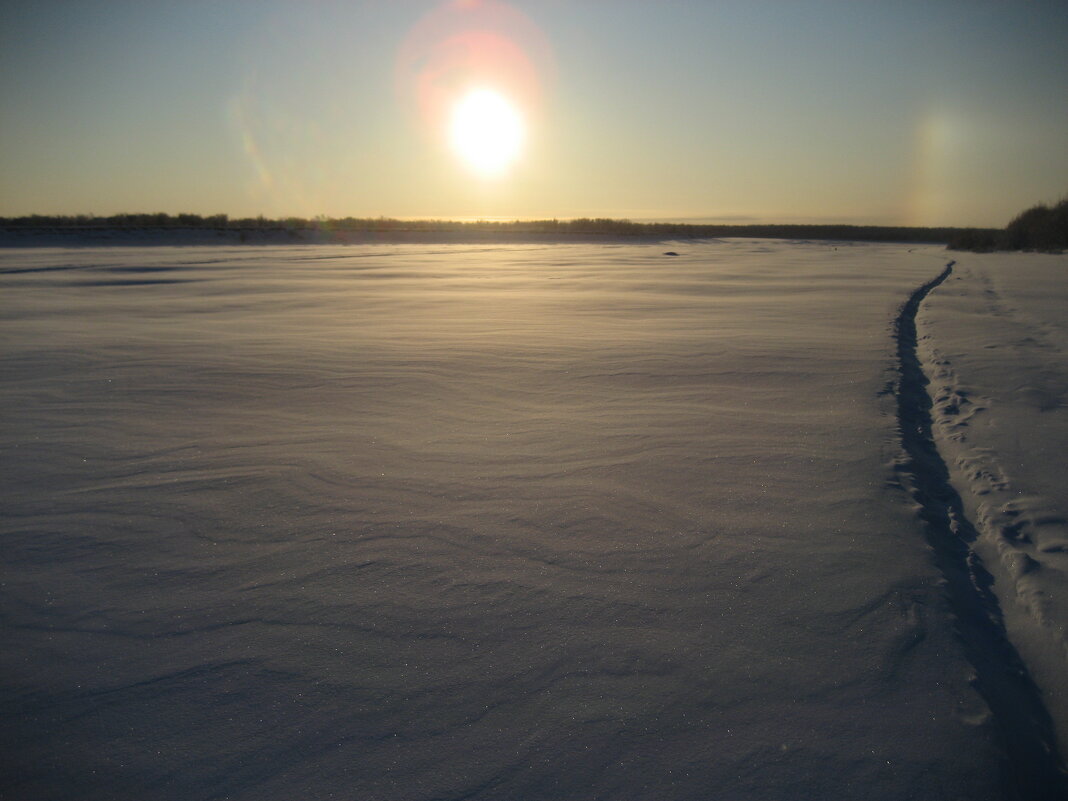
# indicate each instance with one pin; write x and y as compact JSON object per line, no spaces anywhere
{"x":926,"y":113}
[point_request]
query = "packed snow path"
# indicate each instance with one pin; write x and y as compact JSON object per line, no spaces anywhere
{"x":1033,"y":769}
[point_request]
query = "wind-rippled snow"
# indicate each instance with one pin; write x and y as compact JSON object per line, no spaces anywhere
{"x":435,"y":522}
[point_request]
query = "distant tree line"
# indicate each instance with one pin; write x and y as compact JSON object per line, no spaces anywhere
{"x":1039,"y":228}
{"x":584,"y":225}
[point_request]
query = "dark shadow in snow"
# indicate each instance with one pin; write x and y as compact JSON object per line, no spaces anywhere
{"x":134,"y":282}
{"x":1032,"y":769}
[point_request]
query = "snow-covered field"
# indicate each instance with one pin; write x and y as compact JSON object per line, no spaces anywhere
{"x":527,"y":522}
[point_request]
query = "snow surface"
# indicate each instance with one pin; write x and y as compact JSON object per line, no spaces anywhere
{"x":996,"y":348}
{"x":513,"y":521}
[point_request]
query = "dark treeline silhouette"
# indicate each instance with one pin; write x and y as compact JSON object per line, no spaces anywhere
{"x":585,"y":225}
{"x":1038,"y":228}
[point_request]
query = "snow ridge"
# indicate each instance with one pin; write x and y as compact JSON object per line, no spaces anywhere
{"x":1027,"y":530}
{"x":1032,"y":768}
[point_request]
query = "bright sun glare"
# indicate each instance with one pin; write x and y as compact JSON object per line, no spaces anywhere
{"x":486,"y":131}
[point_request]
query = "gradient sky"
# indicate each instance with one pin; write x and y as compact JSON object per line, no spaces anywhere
{"x":919,"y":113}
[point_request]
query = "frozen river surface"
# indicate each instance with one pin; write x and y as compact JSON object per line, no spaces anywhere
{"x":483,"y":522}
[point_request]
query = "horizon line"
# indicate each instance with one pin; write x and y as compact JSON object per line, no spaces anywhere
{"x":222,"y":219}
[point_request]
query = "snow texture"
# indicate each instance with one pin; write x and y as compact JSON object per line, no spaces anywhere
{"x":514,"y":521}
{"x":995,"y":344}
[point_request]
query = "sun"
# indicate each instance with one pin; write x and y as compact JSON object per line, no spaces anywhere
{"x":486,"y":131}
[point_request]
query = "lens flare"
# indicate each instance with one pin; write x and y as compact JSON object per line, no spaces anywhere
{"x":486,"y":131}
